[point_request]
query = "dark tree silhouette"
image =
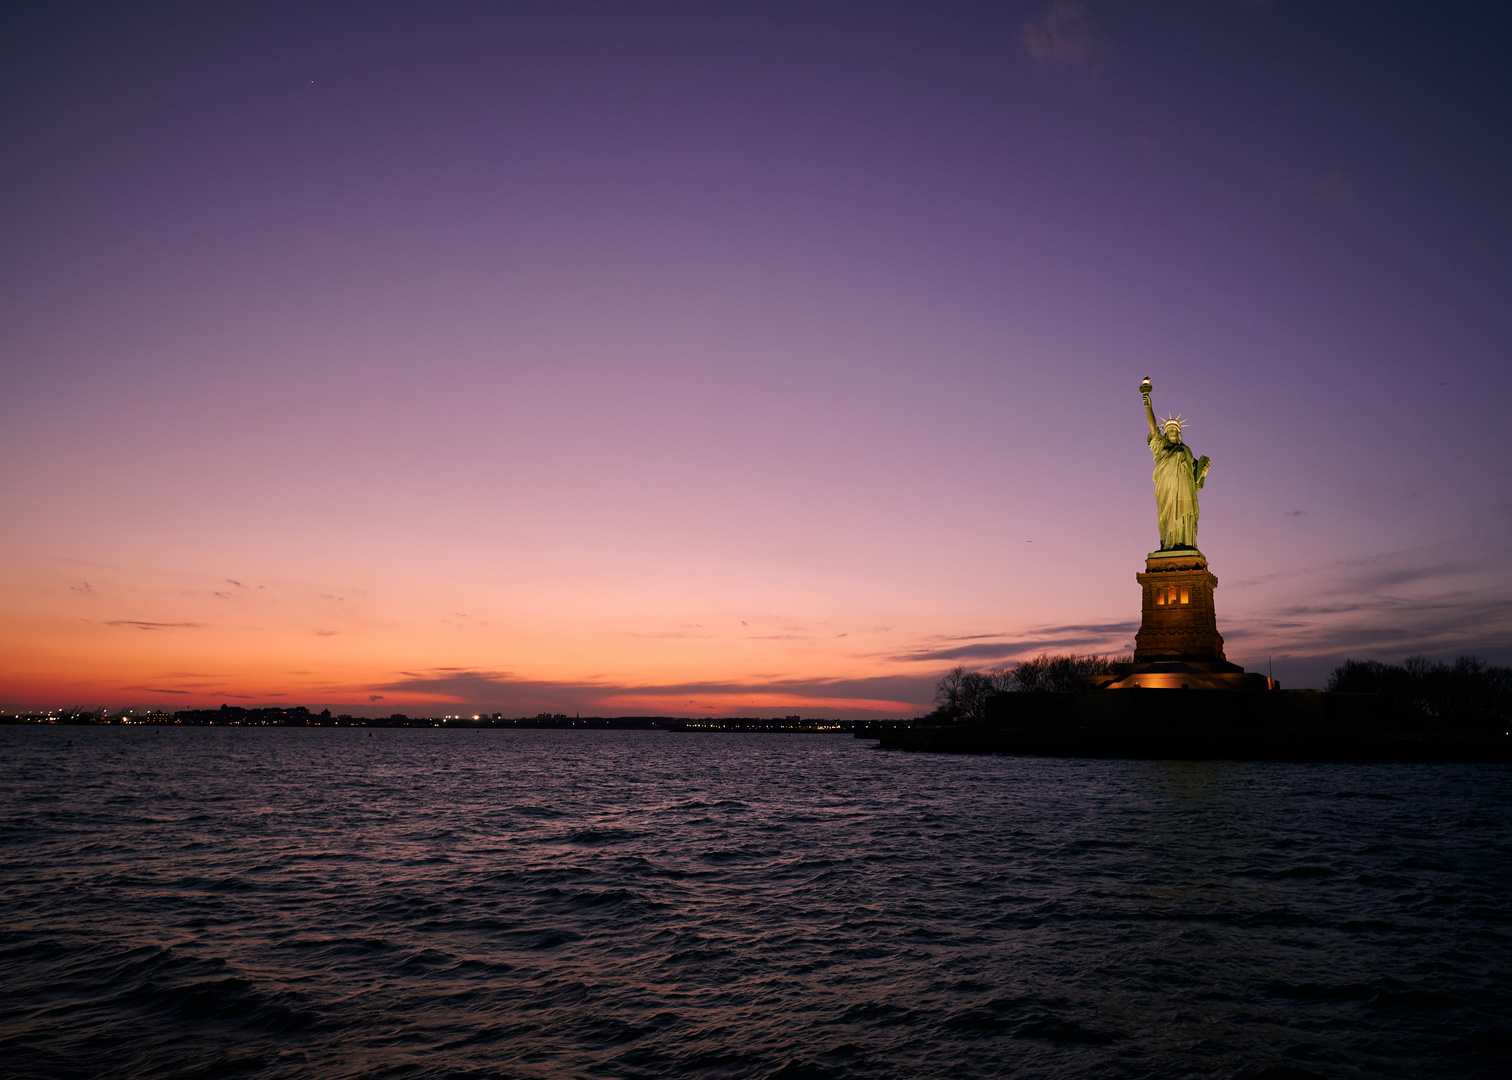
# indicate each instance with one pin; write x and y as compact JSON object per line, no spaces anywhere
{"x":1466,"y":692}
{"x":962,"y":693}
{"x":1059,"y":674}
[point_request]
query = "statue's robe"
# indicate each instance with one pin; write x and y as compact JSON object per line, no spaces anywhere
{"x":1175,"y":492}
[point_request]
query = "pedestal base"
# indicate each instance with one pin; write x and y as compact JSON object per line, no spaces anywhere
{"x":1187,"y":674}
{"x":1178,"y":646}
{"x":1177,"y":617}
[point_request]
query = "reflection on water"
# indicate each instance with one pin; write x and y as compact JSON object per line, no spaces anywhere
{"x":327,"y":903}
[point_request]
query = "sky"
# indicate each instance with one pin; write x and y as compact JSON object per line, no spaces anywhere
{"x":737,"y":359}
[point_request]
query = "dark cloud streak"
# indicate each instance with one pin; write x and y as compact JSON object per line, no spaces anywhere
{"x":1069,"y":637}
{"x":142,"y":625}
{"x":501,"y":691}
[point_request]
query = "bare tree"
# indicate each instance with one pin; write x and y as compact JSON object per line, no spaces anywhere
{"x":948,"y":691}
{"x":976,"y":688}
{"x":962,"y":693}
{"x":1465,"y":693}
{"x":1059,"y":674}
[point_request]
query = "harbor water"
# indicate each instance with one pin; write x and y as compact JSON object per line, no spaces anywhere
{"x":280,"y":902}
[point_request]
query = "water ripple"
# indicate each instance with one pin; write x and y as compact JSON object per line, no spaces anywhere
{"x":335,"y":903}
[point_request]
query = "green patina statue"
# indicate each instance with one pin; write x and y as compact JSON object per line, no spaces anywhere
{"x":1178,"y":478}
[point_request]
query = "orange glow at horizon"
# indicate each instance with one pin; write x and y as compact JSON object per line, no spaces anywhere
{"x":177,"y":639}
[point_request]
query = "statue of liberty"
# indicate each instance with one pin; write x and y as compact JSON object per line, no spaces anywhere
{"x":1178,"y":478}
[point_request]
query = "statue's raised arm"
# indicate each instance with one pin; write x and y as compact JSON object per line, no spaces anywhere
{"x":1144,"y":389}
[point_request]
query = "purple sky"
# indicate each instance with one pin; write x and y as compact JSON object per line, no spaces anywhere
{"x":611,"y":356}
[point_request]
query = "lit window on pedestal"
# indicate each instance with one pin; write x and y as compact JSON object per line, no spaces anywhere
{"x":1160,"y":595}
{"x":1186,"y":597}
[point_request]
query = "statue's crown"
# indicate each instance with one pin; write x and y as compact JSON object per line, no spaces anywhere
{"x":1178,"y":421}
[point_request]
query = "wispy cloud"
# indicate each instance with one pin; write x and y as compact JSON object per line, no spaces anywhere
{"x":1442,"y":599}
{"x":141,"y":625}
{"x":1306,"y":189}
{"x":1336,"y":185}
{"x":671,"y":634}
{"x":154,"y":690}
{"x":1384,"y":626}
{"x":1084,"y":636}
{"x":1388,"y":577}
{"x":1063,"y":36}
{"x":503,"y":692}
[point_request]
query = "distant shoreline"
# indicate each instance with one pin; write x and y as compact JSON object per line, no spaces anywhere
{"x":792,"y":725}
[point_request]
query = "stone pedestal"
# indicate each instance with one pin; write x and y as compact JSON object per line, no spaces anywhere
{"x":1178,"y":646}
{"x":1177,"y":620}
